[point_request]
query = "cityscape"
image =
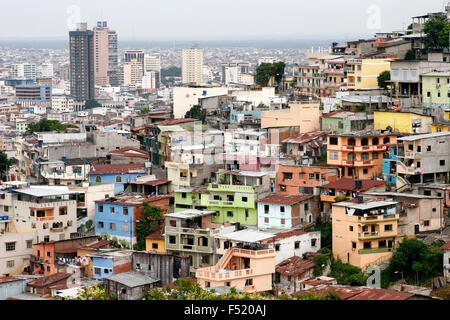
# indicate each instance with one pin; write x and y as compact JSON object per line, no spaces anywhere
{"x":238,"y":166}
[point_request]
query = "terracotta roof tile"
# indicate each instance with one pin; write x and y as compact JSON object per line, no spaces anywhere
{"x":305,"y":137}
{"x":349,"y":184}
{"x":117,"y":168}
{"x":446,"y":246}
{"x":294,"y":266}
{"x":285,"y":199}
{"x":288,"y":234}
{"x":131,"y":152}
{"x":45,"y":281}
{"x":172,"y":122}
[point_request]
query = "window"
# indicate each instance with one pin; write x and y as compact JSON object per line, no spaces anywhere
{"x":297,"y":245}
{"x":207,"y":284}
{"x":305,"y":207}
{"x":367,"y":245}
{"x":230,"y":197}
{"x":382,"y":244}
{"x":244,"y":199}
{"x":172,"y":240}
{"x":334,"y":156}
{"x":125,"y":211}
{"x":266,"y":208}
{"x":229,"y":213}
{"x":97,"y":271}
{"x":388,"y":227}
{"x":374,"y":155}
{"x":29,"y":244}
{"x":248,"y":282}
{"x":112,"y":226}
{"x":350,"y":228}
{"x":428,"y":94}
{"x":100,"y":208}
{"x":311,"y":176}
{"x":100,"y":224}
{"x":386,"y":140}
{"x":246,"y":213}
{"x":216,"y":197}
{"x":10,"y":263}
{"x":365,"y":156}
{"x":277,"y":247}
{"x":426,"y":223}
{"x":333,"y":141}
{"x":365,"y":171}
{"x":364,"y":141}
{"x":282,"y":209}
{"x":442,"y":162}
{"x":47,"y":239}
{"x":183,"y":195}
{"x":48,"y":253}
{"x":428,"y":148}
{"x":98,"y":179}
{"x":205,"y":259}
{"x":266,"y":220}
{"x":313,"y":242}
{"x":125,"y":227}
{"x":340,"y":125}
{"x":10,"y":246}
{"x":287,"y":175}
{"x":365,"y":228}
{"x":375,"y":141}
{"x":111,"y":210}
{"x":154,"y":246}
{"x":283,"y":221}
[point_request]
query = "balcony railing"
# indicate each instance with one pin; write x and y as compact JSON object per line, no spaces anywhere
{"x":380,"y":217}
{"x":374,"y":250}
{"x":60,"y":229}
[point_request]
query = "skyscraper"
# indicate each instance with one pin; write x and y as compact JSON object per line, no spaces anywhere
{"x":105,"y":52}
{"x":82,"y":62}
{"x":192,"y":66}
{"x":153,"y":63}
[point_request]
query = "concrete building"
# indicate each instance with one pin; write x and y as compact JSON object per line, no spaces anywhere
{"x":435,"y":89}
{"x":105,"y":53}
{"x":304,"y":116}
{"x":425,"y":158}
{"x":248,"y":266}
{"x":285,"y":211}
{"x":153,"y":64}
{"x":364,"y":233}
{"x":23,"y":71}
{"x":132,"y":73}
{"x":338,"y":122}
{"x":402,"y":121}
{"x":192,"y":66}
{"x":82,"y":63}
{"x":129,"y":285}
{"x":106,"y":262}
{"x":364,"y":72}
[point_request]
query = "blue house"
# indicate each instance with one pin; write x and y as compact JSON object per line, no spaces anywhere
{"x":117,"y":174}
{"x":12,"y":286}
{"x":390,"y":165}
{"x":107,"y":262}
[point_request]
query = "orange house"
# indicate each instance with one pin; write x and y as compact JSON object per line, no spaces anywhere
{"x":359,"y":154}
{"x":296,"y":180}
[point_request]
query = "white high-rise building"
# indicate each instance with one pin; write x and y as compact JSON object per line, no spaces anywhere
{"x":23,"y":70}
{"x":47,"y":70}
{"x":153,"y":63}
{"x":265,"y":60}
{"x":192,"y":66}
{"x":149,"y":80}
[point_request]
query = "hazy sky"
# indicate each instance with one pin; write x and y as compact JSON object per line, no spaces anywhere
{"x":213,"y":19}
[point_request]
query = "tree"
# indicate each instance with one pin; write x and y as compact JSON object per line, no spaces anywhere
{"x":383,"y":78}
{"x":45,"y":125}
{"x":436,"y":32}
{"x":347,"y":274}
{"x":265,"y":71}
{"x":5,"y":163}
{"x":145,"y":110}
{"x":146,"y":225}
{"x":90,"y":104}
{"x":171,"y":72}
{"x":89,"y":224}
{"x":415,"y":260}
{"x":410,"y":55}
{"x":196,"y":112}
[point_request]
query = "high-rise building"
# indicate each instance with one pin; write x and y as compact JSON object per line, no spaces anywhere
{"x":132,"y":73}
{"x":47,"y":70}
{"x":23,"y":71}
{"x":82,"y":62}
{"x":149,"y":80}
{"x":153,"y":63}
{"x":192,"y":66}
{"x":105,"y":52}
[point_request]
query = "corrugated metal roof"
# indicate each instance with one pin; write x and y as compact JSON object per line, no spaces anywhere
{"x":132,"y":279}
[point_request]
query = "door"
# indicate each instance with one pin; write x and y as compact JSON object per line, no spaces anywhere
{"x":416,"y":229}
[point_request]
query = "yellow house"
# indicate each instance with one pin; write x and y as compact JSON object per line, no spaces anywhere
{"x":404,"y":122}
{"x":364,"y":73}
{"x":364,"y":233}
{"x":443,"y":126}
{"x":304,"y":115}
{"x":155,"y":242}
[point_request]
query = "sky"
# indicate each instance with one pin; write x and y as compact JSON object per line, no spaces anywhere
{"x":171,"y":20}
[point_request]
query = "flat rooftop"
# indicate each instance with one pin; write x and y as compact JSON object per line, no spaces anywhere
{"x":365,"y":205}
{"x":248,"y":236}
{"x":190,"y":214}
{"x":46,"y":191}
{"x":425,"y":136}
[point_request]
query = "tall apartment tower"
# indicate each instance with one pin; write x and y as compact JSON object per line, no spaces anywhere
{"x":192,"y":66}
{"x":82,"y":63}
{"x":153,"y":63}
{"x":106,"y":55}
{"x":131,"y":58}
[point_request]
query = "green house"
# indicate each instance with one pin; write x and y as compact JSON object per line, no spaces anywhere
{"x":436,"y":90}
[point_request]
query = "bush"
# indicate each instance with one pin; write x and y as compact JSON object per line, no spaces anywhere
{"x":347,"y":274}
{"x":320,"y":261}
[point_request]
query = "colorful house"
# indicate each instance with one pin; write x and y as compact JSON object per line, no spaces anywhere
{"x":285,"y":211}
{"x":117,"y":174}
{"x":106,"y":262}
{"x":444,"y":125}
{"x":364,"y":233}
{"x":404,"y":122}
{"x":155,"y":241}
{"x":364,"y":72}
{"x":248,"y":266}
{"x":359,"y":154}
{"x":435,"y":89}
{"x":117,"y":216}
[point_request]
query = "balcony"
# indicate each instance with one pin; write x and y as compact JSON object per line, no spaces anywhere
{"x":403,"y":169}
{"x":60,"y":229}
{"x":363,"y":163}
{"x":327,"y":198}
{"x":374,"y":250}
{"x":348,"y":148}
{"x":231,"y":188}
{"x":378,"y":218}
